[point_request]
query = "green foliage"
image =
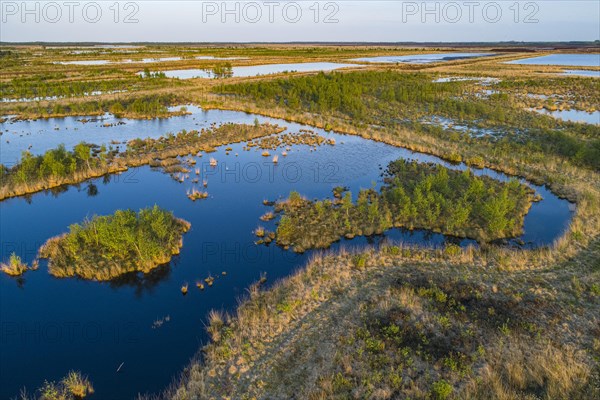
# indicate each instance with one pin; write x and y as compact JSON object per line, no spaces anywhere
{"x":134,"y":107}
{"x":15,"y":266}
{"x":441,"y":390}
{"x":221,"y":71}
{"x":59,"y":85}
{"x":54,"y":164}
{"x":71,"y":387}
{"x":104,"y":247}
{"x":416,"y":195}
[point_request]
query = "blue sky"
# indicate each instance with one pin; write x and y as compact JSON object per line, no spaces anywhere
{"x":281,"y":21}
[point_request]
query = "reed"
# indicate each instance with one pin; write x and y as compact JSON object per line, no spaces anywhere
{"x":194,"y":194}
{"x":15,"y":266}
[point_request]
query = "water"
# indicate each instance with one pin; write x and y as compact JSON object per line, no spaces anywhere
{"x":578,"y":60}
{"x":255,"y":70}
{"x":50,"y":325}
{"x":574,"y":115}
{"x":481,"y":81}
{"x":450,"y":124}
{"x":582,"y":72}
{"x":422,"y":58}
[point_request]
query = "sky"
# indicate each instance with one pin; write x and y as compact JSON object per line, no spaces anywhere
{"x":301,"y":20}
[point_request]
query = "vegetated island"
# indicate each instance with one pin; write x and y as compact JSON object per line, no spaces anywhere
{"x":15,"y":266}
{"x":59,"y":166}
{"x":415,"y":196}
{"x":105,"y":247}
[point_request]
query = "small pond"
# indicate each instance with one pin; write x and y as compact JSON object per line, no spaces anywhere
{"x":579,"y":60}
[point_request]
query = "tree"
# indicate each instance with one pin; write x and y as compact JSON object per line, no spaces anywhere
{"x":83,"y":153}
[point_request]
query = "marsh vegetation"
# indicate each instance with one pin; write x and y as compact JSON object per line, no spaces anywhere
{"x":15,"y":266}
{"x":74,"y":386}
{"x":400,"y":100}
{"x":105,"y":247}
{"x":415,"y":196}
{"x":399,"y":321}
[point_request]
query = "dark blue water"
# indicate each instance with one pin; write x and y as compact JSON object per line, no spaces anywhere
{"x":49,"y":325}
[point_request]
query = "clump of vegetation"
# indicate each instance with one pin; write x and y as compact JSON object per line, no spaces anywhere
{"x":43,"y":86}
{"x":74,"y":386}
{"x":416,"y":196}
{"x":104,"y":247}
{"x":195,"y":194}
{"x":56,"y":166}
{"x":15,"y":266}
{"x":303,"y":137}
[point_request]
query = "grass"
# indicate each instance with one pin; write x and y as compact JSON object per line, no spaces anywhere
{"x":404,"y":322}
{"x":15,"y":266}
{"x":195,"y":194}
{"x":72,"y":387}
{"x":105,"y":247}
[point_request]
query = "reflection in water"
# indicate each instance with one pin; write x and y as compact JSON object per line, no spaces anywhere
{"x":92,"y":190}
{"x":144,"y":283}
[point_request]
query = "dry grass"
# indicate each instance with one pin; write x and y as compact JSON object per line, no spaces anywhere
{"x":325,"y":330}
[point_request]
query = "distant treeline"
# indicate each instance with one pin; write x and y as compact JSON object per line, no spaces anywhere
{"x":59,"y":85}
{"x":133,"y":107}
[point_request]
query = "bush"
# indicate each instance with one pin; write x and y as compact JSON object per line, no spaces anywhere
{"x":441,"y":390}
{"x":105,"y":247}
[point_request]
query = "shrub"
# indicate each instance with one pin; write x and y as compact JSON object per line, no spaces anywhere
{"x":441,"y":390}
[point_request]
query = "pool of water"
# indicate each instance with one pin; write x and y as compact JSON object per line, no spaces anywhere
{"x":574,"y":116}
{"x":49,"y":325}
{"x":582,"y":72}
{"x":255,"y":70}
{"x":579,"y":60}
{"x":422,"y":58}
